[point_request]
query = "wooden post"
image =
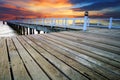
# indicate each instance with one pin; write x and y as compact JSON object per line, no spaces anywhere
{"x":26,"y":30}
{"x":38,"y":31}
{"x":3,"y":22}
{"x":19,"y":30}
{"x":30,"y":30}
{"x":23,"y":30}
{"x":110,"y":23}
{"x":17,"y":27}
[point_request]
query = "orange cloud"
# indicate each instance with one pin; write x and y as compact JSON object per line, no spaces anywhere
{"x":53,"y":8}
{"x":8,"y":6}
{"x":12,"y":7}
{"x":43,"y":8}
{"x":48,"y":5}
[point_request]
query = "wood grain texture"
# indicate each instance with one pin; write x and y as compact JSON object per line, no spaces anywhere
{"x":61,"y":56}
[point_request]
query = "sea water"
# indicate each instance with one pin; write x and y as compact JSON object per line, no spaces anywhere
{"x":103,"y":22}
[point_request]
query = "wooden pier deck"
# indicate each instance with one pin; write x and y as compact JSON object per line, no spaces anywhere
{"x":61,"y":56}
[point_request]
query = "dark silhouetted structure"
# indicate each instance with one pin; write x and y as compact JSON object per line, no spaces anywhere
{"x":3,"y":22}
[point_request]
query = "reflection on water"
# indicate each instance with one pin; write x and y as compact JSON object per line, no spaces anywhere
{"x":6,"y":31}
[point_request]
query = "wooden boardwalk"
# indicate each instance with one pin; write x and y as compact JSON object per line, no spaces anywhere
{"x":61,"y":56}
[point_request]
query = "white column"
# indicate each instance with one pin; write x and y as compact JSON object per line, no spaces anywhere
{"x":85,"y":23}
{"x":88,"y":22}
{"x":110,"y":23}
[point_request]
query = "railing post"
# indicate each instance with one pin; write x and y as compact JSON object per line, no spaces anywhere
{"x":43,"y":21}
{"x":62,"y":21}
{"x":51,"y":22}
{"x":30,"y":29}
{"x":73,"y":23}
{"x":110,"y":23}
{"x":54,"y":21}
{"x":98,"y":23}
{"x":85,"y":23}
{"x":65,"y":23}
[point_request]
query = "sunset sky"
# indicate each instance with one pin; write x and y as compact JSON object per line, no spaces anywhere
{"x":11,"y":9}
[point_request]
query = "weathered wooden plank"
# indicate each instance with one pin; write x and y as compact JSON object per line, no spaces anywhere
{"x":94,"y":38}
{"x":18,"y":68}
{"x":103,"y":53}
{"x":76,"y":56}
{"x":92,"y":56}
{"x":34,"y":70}
{"x":114,"y":35}
{"x":4,"y":61}
{"x":86,"y":55}
{"x":106,"y":32}
{"x":84,"y":50}
{"x":48,"y":68}
{"x":72,"y":74}
{"x":77,"y":66}
{"x":102,"y":46}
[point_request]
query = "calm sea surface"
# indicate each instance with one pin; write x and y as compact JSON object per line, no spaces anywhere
{"x":6,"y":31}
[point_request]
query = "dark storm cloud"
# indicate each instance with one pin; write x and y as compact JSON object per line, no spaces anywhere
{"x":97,"y":5}
{"x":116,"y":14}
{"x":102,"y":5}
{"x":107,"y":7}
{"x":88,"y":1}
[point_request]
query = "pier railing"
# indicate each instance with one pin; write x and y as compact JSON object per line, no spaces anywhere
{"x":72,"y":23}
{"x":104,"y":22}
